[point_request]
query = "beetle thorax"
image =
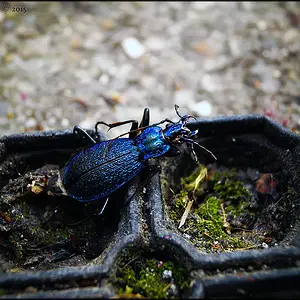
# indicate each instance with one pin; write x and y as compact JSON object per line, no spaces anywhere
{"x":152,"y":143}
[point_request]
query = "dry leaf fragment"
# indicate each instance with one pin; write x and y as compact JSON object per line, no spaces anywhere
{"x":226,"y":225}
{"x":186,"y":213}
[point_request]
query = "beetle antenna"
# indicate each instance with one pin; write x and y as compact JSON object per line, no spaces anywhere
{"x":176,"y":109}
{"x":183,"y":118}
{"x":190,"y":117}
{"x":194,"y":142}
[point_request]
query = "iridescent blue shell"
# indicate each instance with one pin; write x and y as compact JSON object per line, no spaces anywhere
{"x":99,"y":170}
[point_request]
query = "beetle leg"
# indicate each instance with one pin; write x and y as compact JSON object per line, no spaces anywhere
{"x":163,"y":121}
{"x":133,"y":132}
{"x":134,"y":125}
{"x":146,"y":118}
{"x":133,"y":128}
{"x":81,"y":131}
{"x":193,"y":151}
{"x":101,"y":211}
{"x":142,"y":128}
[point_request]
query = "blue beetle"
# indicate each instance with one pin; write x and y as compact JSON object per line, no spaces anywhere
{"x":97,"y":171}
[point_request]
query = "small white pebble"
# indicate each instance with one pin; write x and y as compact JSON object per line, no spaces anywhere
{"x":167,"y":274}
{"x":51,"y":121}
{"x":186,"y":236}
{"x":276,"y":73}
{"x":31,"y":122}
{"x":133,"y":48}
{"x":104,"y":79}
{"x":203,"y":108}
{"x":65,"y":122}
{"x":67,"y":93}
{"x":262,"y":25}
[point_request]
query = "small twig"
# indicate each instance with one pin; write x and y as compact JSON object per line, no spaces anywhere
{"x":166,"y":287}
{"x":186,"y":213}
{"x":172,"y":190}
{"x":226,"y":224}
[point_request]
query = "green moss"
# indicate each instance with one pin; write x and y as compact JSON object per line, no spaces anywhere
{"x":181,"y":199}
{"x":238,"y":208}
{"x":217,"y":197}
{"x":173,"y":215}
{"x":230,"y":190}
{"x":145,"y":277}
{"x":210,"y":221}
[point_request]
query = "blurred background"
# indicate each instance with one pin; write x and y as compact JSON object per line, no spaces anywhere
{"x":68,"y":63}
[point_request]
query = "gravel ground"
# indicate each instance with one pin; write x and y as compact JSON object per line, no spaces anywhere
{"x":66,"y":63}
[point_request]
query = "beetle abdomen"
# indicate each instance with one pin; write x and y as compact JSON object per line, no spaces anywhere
{"x":102,"y":168}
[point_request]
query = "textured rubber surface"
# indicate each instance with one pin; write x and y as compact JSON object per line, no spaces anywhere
{"x":143,"y":224}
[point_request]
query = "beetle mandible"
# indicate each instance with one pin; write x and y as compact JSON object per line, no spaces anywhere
{"x":97,"y":171}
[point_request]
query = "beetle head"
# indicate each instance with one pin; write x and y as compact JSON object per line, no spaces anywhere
{"x":176,"y":133}
{"x":179,"y":133}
